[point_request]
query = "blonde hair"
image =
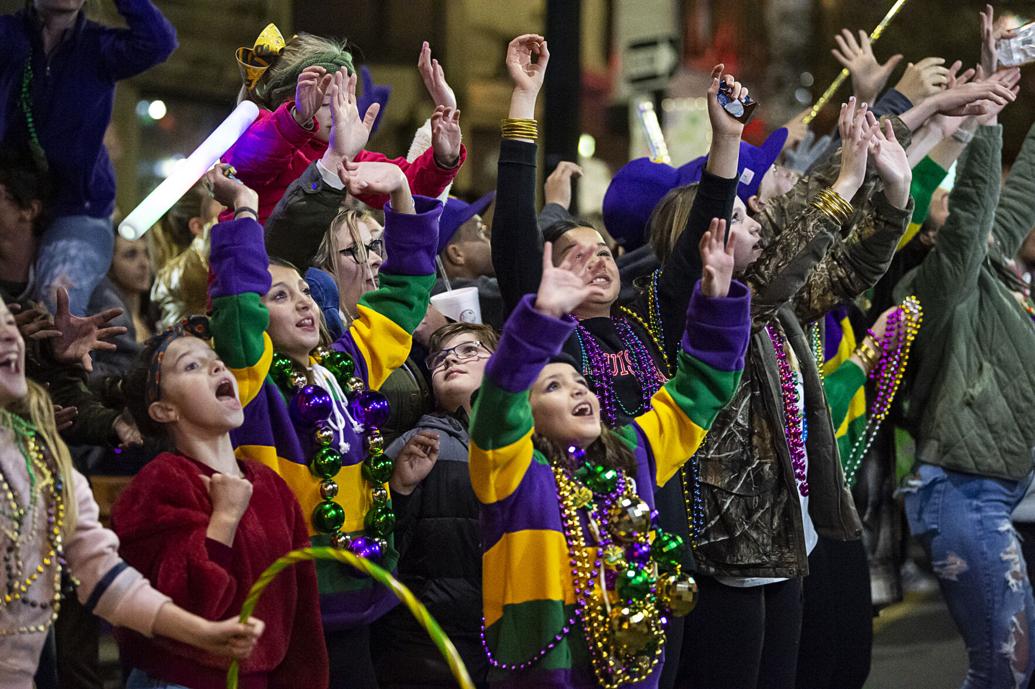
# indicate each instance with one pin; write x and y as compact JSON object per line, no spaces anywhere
{"x":277,"y":85}
{"x":668,"y":220}
{"x":329,"y":249}
{"x":38,"y":409}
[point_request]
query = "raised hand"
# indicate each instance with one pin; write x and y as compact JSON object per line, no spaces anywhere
{"x":446,"y":136}
{"x":892,"y":165}
{"x":527,"y":74}
{"x":989,"y":37}
{"x":377,"y":178}
{"x":309,"y":92}
{"x":868,"y":75}
{"x":716,"y":260}
{"x":34,"y":323}
{"x":434,"y":78}
{"x":924,"y":79}
{"x":562,"y":288}
{"x":976,"y":98}
{"x":415,"y":462}
{"x":724,"y":125}
{"x":82,"y":335}
{"x":1010,"y":79}
{"x":558,"y":184}
{"x":946,"y":125}
{"x":349,"y":132}
{"x":857,"y":131}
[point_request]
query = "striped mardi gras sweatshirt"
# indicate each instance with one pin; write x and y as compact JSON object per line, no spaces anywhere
{"x":527,"y":588}
{"x":378,"y":342}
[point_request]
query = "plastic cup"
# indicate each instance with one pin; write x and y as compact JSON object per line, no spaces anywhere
{"x":459,"y":304}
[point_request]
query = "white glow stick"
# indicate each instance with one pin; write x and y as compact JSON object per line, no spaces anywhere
{"x":188,"y":171}
{"x":652,"y":130}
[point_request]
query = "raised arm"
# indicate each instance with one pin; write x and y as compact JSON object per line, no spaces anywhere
{"x":515,"y":232}
{"x":147,"y":41}
{"x":858,"y":262}
{"x":714,"y":200}
{"x":708,"y":366}
{"x":1015,"y":214}
{"x":951,"y":270}
{"x":379,"y":338}
{"x":501,"y":417}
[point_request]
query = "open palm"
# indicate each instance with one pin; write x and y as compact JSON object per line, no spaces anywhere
{"x":82,"y":335}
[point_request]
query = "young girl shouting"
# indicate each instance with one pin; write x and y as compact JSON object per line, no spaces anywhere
{"x":577,"y":580}
{"x":311,"y":412}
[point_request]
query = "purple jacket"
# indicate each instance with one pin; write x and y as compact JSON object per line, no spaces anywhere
{"x":72,"y":93}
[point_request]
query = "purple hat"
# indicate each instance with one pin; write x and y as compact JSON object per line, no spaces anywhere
{"x":456,"y":213}
{"x":638,"y":187}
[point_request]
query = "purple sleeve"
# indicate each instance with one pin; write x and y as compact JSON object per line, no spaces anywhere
{"x":238,"y":259}
{"x":411,"y":239}
{"x":718,"y":328}
{"x":149,"y":40}
{"x":530,"y":339}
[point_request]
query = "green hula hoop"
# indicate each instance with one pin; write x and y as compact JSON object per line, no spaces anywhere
{"x":420,"y":613}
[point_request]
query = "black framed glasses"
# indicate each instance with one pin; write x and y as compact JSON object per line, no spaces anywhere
{"x":465,"y":351}
{"x":360,"y":253}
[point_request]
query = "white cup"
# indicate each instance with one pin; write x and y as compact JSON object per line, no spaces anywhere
{"x":459,"y":304}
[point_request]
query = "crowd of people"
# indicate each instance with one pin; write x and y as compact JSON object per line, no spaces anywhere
{"x":665,"y":457}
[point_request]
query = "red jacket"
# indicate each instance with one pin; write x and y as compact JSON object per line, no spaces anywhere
{"x":275,"y":151}
{"x":162,"y":518}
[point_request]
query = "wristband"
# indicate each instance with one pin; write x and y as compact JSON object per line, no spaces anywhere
{"x":963,"y":136}
{"x":245,"y":209}
{"x":308,"y":126}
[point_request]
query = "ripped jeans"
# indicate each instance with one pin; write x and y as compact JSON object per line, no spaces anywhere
{"x":963,"y":522}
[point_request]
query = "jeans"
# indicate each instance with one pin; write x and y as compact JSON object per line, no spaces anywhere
{"x":742,"y":638}
{"x":142,"y":680}
{"x":75,"y":253}
{"x":963,"y":522}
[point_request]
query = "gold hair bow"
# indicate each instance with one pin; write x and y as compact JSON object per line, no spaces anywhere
{"x":253,"y":62}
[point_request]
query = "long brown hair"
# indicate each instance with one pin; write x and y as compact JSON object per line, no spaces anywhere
{"x":608,"y":450}
{"x":327,"y":253}
{"x":668,"y":219}
{"x":38,"y":409}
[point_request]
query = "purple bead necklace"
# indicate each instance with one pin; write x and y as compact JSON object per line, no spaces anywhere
{"x":792,"y":410}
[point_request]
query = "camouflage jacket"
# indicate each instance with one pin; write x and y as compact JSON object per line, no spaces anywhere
{"x":752,"y":516}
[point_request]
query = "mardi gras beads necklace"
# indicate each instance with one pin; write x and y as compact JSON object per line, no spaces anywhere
{"x":901,"y":329}
{"x":594,"y":365}
{"x":312,"y":406}
{"x":48,"y":485}
{"x":794,"y":419}
{"x":625,"y":582}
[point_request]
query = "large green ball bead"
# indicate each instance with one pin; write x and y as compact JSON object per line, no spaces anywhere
{"x":328,"y":517}
{"x":377,"y":469}
{"x":667,"y":550}
{"x":379,"y":521}
{"x":326,"y":463}
{"x":339,"y":364}
{"x":633,"y":584}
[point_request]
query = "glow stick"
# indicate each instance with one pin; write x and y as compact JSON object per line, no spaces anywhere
{"x":832,"y":89}
{"x":652,"y":129}
{"x":188,"y":171}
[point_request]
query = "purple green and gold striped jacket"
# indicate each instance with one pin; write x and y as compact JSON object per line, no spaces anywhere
{"x":527,"y":588}
{"x":378,"y":341}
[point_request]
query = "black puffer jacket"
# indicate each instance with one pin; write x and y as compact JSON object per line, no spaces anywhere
{"x":440,"y":560}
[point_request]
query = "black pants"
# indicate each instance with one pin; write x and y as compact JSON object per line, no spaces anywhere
{"x":348,"y":653}
{"x":837,"y":621}
{"x":742,"y":638}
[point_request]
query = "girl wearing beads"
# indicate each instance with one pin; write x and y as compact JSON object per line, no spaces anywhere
{"x":50,"y":522}
{"x":289,"y":81}
{"x":310,"y":411}
{"x":203,"y":526}
{"x":578,"y":583}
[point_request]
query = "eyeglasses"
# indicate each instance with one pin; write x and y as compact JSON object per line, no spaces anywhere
{"x":360,"y":253}
{"x":465,"y":351}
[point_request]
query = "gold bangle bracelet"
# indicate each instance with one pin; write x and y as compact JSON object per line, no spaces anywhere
{"x":833,"y":205}
{"x":516,"y":128}
{"x":839,"y":202}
